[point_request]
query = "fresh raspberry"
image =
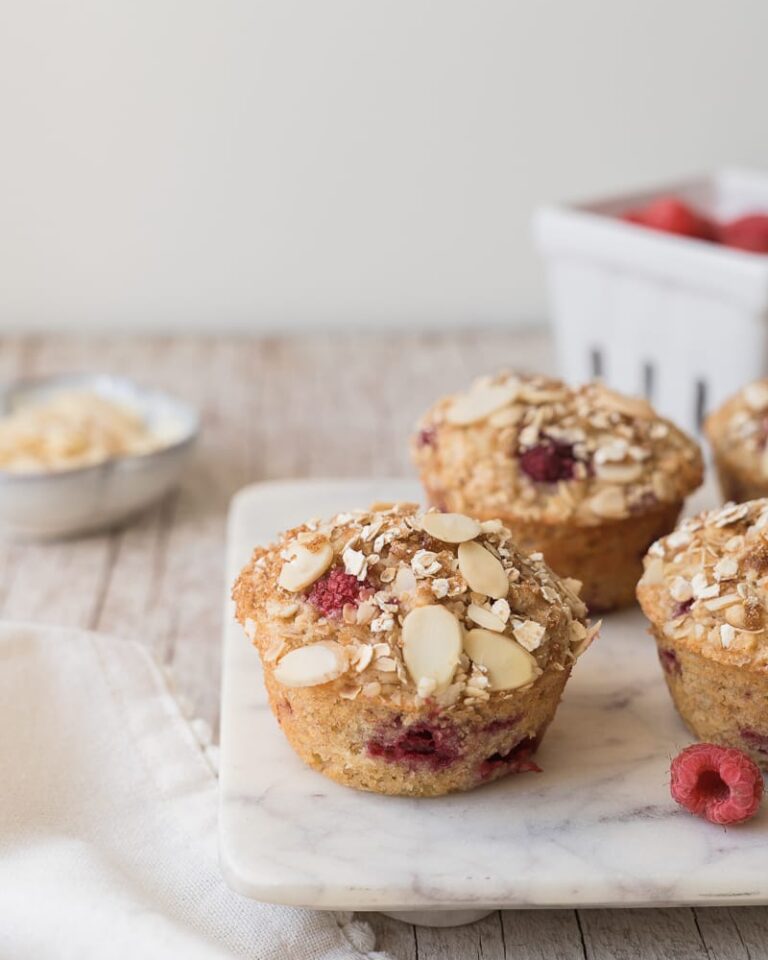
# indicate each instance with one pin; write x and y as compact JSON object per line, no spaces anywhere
{"x":672,"y":215}
{"x":720,"y":784}
{"x":331,"y":592}
{"x":548,"y":462}
{"x":747,"y":233}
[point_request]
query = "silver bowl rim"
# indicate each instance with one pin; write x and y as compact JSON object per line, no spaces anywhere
{"x":128,"y":463}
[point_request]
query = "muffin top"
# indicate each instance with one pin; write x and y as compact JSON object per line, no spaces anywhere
{"x":408,"y":607}
{"x":535,"y":448}
{"x":739,"y":429}
{"x":706,"y":584}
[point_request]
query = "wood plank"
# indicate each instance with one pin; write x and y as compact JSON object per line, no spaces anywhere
{"x":483,"y":940}
{"x":668,"y":934}
{"x":393,"y":937}
{"x":542,"y":935}
{"x":752,"y":931}
{"x":719,"y":929}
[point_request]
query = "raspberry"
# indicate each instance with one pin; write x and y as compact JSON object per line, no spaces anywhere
{"x":757,"y":741}
{"x":516,"y":760}
{"x":718,"y":783}
{"x":331,"y":592}
{"x":747,"y":233}
{"x":548,"y":462}
{"x":672,"y":215}
{"x":681,"y":608}
{"x":426,"y":437}
{"x":507,"y":724}
{"x":669,"y":662}
{"x":421,"y":744}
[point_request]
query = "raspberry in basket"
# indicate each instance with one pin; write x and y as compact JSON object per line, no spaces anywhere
{"x":672,"y":215}
{"x":720,"y":784}
{"x":747,"y":233}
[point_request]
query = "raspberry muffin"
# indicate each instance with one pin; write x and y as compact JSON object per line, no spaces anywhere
{"x":586,"y":476}
{"x":738,"y":434}
{"x":705,"y":589}
{"x":410,"y":653}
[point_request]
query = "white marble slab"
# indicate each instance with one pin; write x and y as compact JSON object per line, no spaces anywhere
{"x":597,"y":827}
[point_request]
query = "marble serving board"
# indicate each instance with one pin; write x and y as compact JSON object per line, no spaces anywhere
{"x":596,"y":828}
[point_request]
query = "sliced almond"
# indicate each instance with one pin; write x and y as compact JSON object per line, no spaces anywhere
{"x":501,"y":609}
{"x":431,"y":645}
{"x":628,"y":406}
{"x":622,"y":473}
{"x":483,"y":400}
{"x":581,"y":647}
{"x":305,"y":566}
{"x":577,"y":630}
{"x":726,"y":568}
{"x":736,"y":616}
{"x":756,"y":395}
{"x":680,"y":589}
{"x":482,"y":571}
{"x":508,"y":665}
{"x":506,"y":417}
{"x":538,"y":394}
{"x":721,"y":603}
{"x":573,"y":585}
{"x":654,"y":571}
{"x":404,"y":582}
{"x":609,"y":503}
{"x":312,"y":665}
{"x":450,"y":527}
{"x":484,"y":618}
{"x":727,"y":634}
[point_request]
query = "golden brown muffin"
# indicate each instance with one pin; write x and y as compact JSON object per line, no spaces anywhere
{"x":410,"y":653}
{"x":586,"y":476}
{"x":738,"y":434}
{"x":705,"y":589}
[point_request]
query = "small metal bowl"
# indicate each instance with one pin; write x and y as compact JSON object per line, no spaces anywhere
{"x":50,"y":505}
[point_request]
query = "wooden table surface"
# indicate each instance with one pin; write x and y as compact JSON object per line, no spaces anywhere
{"x":312,"y":405}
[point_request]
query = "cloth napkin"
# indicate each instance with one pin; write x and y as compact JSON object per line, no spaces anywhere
{"x":108,"y":819}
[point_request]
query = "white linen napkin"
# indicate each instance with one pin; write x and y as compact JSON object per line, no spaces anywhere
{"x":108,"y":819}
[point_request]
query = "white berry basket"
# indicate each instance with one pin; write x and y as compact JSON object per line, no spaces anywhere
{"x":683,"y":322}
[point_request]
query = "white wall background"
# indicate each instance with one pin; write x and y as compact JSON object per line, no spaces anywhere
{"x":243,"y":163}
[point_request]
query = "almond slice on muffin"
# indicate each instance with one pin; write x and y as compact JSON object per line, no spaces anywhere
{"x":407,"y":652}
{"x":588,"y":477}
{"x":705,"y":592}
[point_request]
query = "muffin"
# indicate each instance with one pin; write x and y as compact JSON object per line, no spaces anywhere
{"x":410,"y":653}
{"x":588,"y":477}
{"x":738,"y":434}
{"x":705,"y":589}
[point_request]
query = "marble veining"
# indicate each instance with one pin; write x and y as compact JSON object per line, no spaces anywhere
{"x":596,"y":827}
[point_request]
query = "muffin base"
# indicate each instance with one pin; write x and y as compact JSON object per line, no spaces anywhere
{"x":607,"y":558}
{"x":738,"y":484}
{"x":419,"y":752}
{"x":719,"y":703}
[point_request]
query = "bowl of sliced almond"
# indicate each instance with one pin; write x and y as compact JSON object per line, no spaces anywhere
{"x":84,"y":452}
